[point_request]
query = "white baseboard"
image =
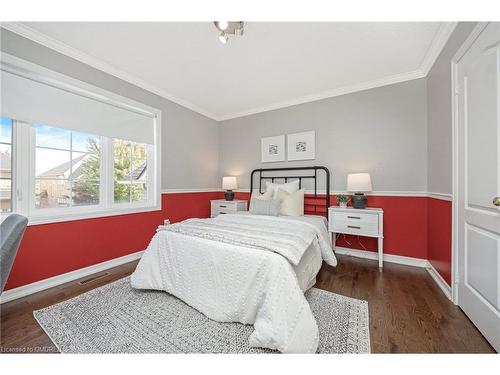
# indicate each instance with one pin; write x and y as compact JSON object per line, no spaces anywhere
{"x":443,"y":285}
{"x":399,"y":259}
{"x":51,"y":282}
{"x":408,"y":261}
{"x":38,"y":286}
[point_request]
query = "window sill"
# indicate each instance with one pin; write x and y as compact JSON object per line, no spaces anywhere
{"x":59,"y":218}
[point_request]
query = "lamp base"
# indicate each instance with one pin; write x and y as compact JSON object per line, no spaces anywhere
{"x":359,"y":200}
{"x":229,"y":195}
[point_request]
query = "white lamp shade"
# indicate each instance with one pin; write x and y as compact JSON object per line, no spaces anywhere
{"x":229,"y":183}
{"x":359,"y":182}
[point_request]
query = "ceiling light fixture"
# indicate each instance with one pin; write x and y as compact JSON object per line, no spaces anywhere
{"x":222,"y":25}
{"x":229,"y":28}
{"x":223,"y":38}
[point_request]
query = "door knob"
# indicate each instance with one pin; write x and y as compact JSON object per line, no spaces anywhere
{"x":496,"y":201}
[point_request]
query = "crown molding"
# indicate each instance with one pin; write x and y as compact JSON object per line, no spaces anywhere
{"x":390,"y":80}
{"x":443,"y":34}
{"x":40,"y":38}
{"x":437,"y":44}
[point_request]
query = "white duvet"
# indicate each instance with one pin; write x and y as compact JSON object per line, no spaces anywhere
{"x":230,"y":282}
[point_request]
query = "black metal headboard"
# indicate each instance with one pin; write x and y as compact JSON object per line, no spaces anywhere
{"x":312,"y":201}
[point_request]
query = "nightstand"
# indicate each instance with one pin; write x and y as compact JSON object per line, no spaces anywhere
{"x":221,"y":206}
{"x":368,"y":222}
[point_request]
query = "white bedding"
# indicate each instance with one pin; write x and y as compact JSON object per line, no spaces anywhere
{"x":233,"y":283}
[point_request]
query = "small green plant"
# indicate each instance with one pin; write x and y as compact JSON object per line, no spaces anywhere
{"x":341,"y":198}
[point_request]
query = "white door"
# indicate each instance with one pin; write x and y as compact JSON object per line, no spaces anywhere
{"x":478,"y":210}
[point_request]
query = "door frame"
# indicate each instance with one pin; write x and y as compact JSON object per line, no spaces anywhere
{"x":455,"y":183}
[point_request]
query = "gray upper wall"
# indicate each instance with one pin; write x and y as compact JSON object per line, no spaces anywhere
{"x":190,"y":144}
{"x":401,"y":134}
{"x":439,"y":115}
{"x":382,"y":131}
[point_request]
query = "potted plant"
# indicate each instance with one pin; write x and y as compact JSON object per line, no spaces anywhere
{"x":343,"y":200}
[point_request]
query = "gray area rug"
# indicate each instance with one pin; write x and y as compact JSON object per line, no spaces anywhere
{"x":119,"y":319}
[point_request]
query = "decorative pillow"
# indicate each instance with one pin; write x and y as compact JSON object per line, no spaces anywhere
{"x":289,"y":187}
{"x":291,"y":204}
{"x":266,"y":196}
{"x":270,"y":207}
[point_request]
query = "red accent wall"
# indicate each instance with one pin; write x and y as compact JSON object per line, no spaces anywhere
{"x":416,"y":227}
{"x":405,"y":226}
{"x":49,"y":250}
{"x":439,"y":226}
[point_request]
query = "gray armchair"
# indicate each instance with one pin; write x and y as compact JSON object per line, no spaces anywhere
{"x":11,"y":233}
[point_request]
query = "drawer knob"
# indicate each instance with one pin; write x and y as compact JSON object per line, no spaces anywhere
{"x":353,"y":227}
{"x":353,"y":217}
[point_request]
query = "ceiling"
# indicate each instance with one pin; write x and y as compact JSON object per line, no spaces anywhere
{"x":273,"y":65}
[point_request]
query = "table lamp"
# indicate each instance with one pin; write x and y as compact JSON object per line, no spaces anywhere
{"x":229,"y":184}
{"x":358,"y":183}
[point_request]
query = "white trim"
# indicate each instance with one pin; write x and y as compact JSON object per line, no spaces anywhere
{"x":180,"y":191}
{"x":455,"y":277}
{"x":398,"y":78}
{"x":439,"y":41}
{"x":37,"y":220}
{"x":391,"y":258}
{"x":443,"y":285}
{"x":24,"y":155}
{"x":44,"y":40}
{"x":443,"y":34}
{"x":51,"y":282}
{"x":437,"y":44}
{"x":93,"y":214}
{"x":441,"y":196}
{"x":399,"y":259}
{"x":41,"y":74}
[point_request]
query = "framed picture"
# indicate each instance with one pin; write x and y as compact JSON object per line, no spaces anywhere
{"x":273,"y":149}
{"x":302,"y":146}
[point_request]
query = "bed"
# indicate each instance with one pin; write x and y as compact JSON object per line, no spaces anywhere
{"x":246,"y":268}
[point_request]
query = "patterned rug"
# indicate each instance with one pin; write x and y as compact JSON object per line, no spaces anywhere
{"x":119,"y":319}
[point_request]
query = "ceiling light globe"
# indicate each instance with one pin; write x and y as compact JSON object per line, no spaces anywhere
{"x":222,"y":25}
{"x":223,"y":38}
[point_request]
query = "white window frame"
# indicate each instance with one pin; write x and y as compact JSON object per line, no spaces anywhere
{"x":12,"y":182}
{"x":23,"y":154}
{"x":149,"y":182}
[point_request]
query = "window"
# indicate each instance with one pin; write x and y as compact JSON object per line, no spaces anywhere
{"x":71,"y":151}
{"x":5,"y":164}
{"x":67,"y":168}
{"x":130,"y":171}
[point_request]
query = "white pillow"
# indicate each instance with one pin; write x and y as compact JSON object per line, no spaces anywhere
{"x":270,"y":207}
{"x":291,"y":204}
{"x":290,"y":187}
{"x":265,"y":196}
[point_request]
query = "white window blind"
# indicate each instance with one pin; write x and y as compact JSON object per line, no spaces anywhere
{"x":32,"y":101}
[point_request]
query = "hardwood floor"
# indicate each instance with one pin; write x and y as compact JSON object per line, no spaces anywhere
{"x":408,"y":312}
